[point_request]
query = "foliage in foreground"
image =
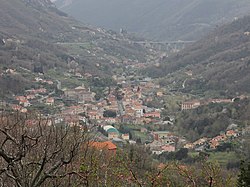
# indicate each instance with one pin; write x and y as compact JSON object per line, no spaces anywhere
{"x":36,"y":152}
{"x":244,"y":176}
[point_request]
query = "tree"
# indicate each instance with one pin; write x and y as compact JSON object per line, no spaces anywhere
{"x":244,"y":176}
{"x":35,"y":152}
{"x":181,"y":154}
{"x":109,"y":113}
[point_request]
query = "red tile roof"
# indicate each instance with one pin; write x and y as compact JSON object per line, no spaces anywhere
{"x":104,"y":145}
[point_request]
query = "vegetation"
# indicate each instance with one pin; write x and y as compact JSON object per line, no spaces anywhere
{"x":211,"y":119}
{"x":244,"y":176}
{"x":218,"y":62}
{"x":34,"y":152}
{"x":109,"y":113}
{"x":55,"y":155}
{"x":53,"y":41}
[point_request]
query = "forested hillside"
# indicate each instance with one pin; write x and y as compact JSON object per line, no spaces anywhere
{"x":36,"y":34}
{"x":158,"y":19}
{"x":219,"y":62}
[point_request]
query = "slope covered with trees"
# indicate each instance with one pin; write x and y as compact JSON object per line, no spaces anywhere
{"x":36,"y":34}
{"x":218,"y":62}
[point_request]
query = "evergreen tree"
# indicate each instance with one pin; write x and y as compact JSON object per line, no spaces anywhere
{"x":244,"y":176}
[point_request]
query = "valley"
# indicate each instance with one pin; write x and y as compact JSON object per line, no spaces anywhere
{"x":141,"y":110}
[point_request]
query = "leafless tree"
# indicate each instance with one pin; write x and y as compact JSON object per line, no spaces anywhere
{"x":39,"y":153}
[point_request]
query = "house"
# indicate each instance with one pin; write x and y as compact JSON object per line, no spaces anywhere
{"x":247,"y":33}
{"x":88,"y":96}
{"x":80,"y":94}
{"x":129,"y":111}
{"x":11,"y":71}
{"x":232,"y":133}
{"x":110,"y":120}
{"x":40,"y":90}
{"x":20,"y":98}
{"x":189,"y":73}
{"x":25,"y":103}
{"x":24,"y":110}
{"x":49,"y":82}
{"x":168,"y":148}
{"x":125,"y":136}
{"x":88,"y":75}
{"x":138,"y":110}
{"x":200,"y":141}
{"x":105,"y":146}
{"x":31,"y":96}
{"x":189,"y":146}
{"x":215,"y":142}
{"x":190,"y":105}
{"x":147,"y":120}
{"x":79,"y":75}
{"x":50,"y":101}
{"x":161,"y":135}
{"x":94,"y":114}
{"x":157,"y":151}
{"x":155,"y":114}
{"x":221,"y":101}
{"x":159,"y":94}
{"x":111,"y":131}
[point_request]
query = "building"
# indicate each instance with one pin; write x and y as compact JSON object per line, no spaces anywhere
{"x":80,"y":94}
{"x":50,"y":101}
{"x":111,"y":131}
{"x":125,"y":136}
{"x":189,"y":146}
{"x":168,"y":148}
{"x":105,"y":146}
{"x":190,"y":105}
{"x":162,"y":135}
{"x":152,"y":115}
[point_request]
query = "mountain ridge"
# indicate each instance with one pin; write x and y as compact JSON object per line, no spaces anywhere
{"x":160,"y":19}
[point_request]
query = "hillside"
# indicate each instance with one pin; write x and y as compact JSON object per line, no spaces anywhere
{"x":158,"y":19}
{"x":220,"y":62}
{"x":33,"y":33}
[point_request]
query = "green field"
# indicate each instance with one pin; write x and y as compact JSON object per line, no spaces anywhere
{"x":223,"y":157}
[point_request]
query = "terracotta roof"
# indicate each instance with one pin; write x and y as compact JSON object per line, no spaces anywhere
{"x":104,"y":145}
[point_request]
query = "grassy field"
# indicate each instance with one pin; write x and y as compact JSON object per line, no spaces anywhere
{"x":222,"y":157}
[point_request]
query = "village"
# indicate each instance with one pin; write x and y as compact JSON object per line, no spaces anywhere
{"x":125,"y":105}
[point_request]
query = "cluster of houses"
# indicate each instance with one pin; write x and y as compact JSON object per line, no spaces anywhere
{"x":25,"y":101}
{"x":164,"y":141}
{"x":205,"y":143}
{"x":127,"y":103}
